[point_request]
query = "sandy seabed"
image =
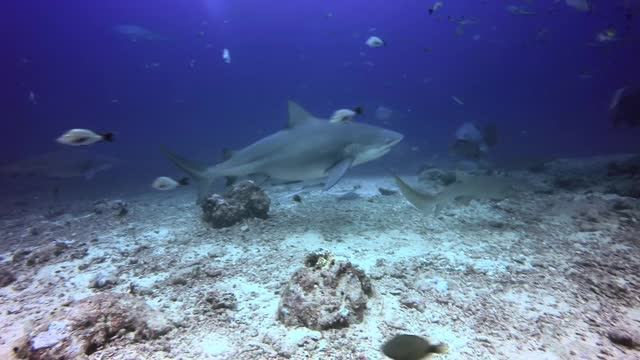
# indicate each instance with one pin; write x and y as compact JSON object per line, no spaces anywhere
{"x":546,"y":274}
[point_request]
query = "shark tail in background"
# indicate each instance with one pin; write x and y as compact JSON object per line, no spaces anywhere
{"x":426,"y":203}
{"x":197,"y":172}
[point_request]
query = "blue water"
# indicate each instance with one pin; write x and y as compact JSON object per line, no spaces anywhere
{"x":177,"y":90}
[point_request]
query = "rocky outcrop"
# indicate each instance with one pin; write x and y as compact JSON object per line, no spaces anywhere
{"x":325,"y":294}
{"x":244,"y":201}
{"x":6,"y":277}
{"x":117,"y":208}
{"x":91,"y":324}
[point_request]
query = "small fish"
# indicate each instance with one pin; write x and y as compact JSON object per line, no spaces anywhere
{"x":297,"y":198}
{"x":76,"y":137}
{"x":607,"y":35}
{"x":226,"y":56}
{"x":519,"y":10}
{"x":580,"y":5}
{"x":344,"y":115}
{"x":375,"y":42}
{"x":32,"y":97}
{"x":585,"y":76}
{"x":436,"y":7}
{"x":456,"y":99}
{"x":166,"y":183}
{"x":411,"y":347}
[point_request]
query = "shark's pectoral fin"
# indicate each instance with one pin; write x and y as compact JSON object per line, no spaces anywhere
{"x":337,"y":171}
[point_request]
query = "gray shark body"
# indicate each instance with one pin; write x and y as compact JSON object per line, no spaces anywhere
{"x":60,"y":164}
{"x":310,"y":148}
{"x":136,"y":33}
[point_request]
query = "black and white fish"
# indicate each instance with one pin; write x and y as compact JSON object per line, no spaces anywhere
{"x":226,"y":56}
{"x":344,"y":115}
{"x":77,"y":137}
{"x":375,"y":42}
{"x":437,"y":6}
{"x":167,"y":183}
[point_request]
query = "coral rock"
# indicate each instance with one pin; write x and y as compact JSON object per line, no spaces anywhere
{"x":6,"y":277}
{"x":91,"y":323}
{"x":117,"y":208}
{"x":245,"y":200}
{"x":221,"y":300}
{"x":325,"y":294}
{"x":46,"y":253}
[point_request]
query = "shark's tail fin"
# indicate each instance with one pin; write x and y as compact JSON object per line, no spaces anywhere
{"x":197,"y":172}
{"x":423,"y":202}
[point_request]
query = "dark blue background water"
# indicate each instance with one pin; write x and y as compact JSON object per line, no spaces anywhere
{"x":68,"y":54}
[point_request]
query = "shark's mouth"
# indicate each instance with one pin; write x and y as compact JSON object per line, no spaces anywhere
{"x":392,"y":142}
{"x":388,"y":145}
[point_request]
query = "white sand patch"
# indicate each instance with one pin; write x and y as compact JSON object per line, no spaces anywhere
{"x":76,"y":283}
{"x":212,"y":345}
{"x":256,"y":303}
{"x":532,"y":307}
{"x":458,"y":255}
{"x":150,"y":281}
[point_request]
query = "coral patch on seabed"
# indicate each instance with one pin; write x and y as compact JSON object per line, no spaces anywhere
{"x":325,"y":294}
{"x":243,"y":201}
{"x":550,"y":272}
{"x":89,"y":325}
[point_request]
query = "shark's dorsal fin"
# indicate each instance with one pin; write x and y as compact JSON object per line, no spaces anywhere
{"x":298,"y":115}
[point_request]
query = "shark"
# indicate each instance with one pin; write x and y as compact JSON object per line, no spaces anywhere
{"x":308,"y":148}
{"x":135,"y":32}
{"x":480,"y":187}
{"x":61,"y":164}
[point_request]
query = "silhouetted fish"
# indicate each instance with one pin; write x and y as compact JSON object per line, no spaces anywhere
{"x":60,"y":164}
